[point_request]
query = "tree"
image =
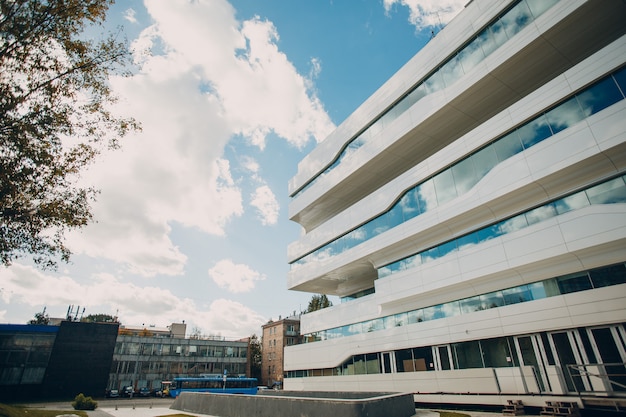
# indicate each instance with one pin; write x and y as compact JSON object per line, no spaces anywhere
{"x":41,"y":318}
{"x":256,"y":354}
{"x":318,"y":302}
{"x":99,"y":318}
{"x":55,"y":117}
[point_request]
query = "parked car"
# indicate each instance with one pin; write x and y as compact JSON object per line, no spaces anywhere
{"x":144,"y":392}
{"x":128,"y":392}
{"x":112,"y":393}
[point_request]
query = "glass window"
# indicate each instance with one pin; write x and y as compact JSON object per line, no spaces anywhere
{"x":372,"y":363}
{"x":610,"y":275}
{"x":409,"y":205}
{"x":516,"y":19}
{"x":464,"y":175}
{"x":565,"y":115}
{"x":620,"y":77}
{"x":415,"y":316}
{"x":484,"y":161}
{"x":470,"y":305}
{"x":507,"y":146}
{"x":467,"y":240}
{"x":426,"y":195}
{"x":599,"y":96}
{"x":434,"y":312}
{"x":404,"y":360}
{"x":574,"y":283}
{"x":430,"y":254}
{"x":608,"y":192}
{"x":401,"y":319}
{"x":447,"y":247}
{"x":496,"y":353}
{"x":498,"y":35}
{"x":467,"y":355}
{"x":451,"y":71}
{"x":537,"y":7}
{"x":395,"y":215}
{"x":433,"y":83}
{"x":423,"y":359}
{"x":471,"y":55}
{"x":516,"y":295}
{"x":489,"y":232}
{"x":534,"y":132}
{"x":572,"y":202}
{"x":486,"y":42}
{"x":540,"y":213}
{"x":492,"y":300}
{"x":512,"y":225}
{"x":444,"y":186}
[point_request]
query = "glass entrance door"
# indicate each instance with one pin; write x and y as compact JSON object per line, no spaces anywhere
{"x":610,"y":349}
{"x":530,"y":354}
{"x":570,"y":356}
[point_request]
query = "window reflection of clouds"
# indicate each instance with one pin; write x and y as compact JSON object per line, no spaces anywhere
{"x":607,"y":193}
{"x":613,"y":191}
{"x":458,"y":178}
{"x":540,"y":214}
{"x":571,"y":202}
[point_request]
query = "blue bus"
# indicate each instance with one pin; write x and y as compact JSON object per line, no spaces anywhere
{"x":216,"y":384}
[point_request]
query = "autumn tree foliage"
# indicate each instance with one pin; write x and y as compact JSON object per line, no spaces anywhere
{"x":55,"y":118}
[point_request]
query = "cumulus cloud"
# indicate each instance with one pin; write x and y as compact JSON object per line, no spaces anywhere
{"x":134,"y":304}
{"x":203,"y":78}
{"x":234,"y":277}
{"x":264,"y":200}
{"x":129,"y":15}
{"x":429,"y":13}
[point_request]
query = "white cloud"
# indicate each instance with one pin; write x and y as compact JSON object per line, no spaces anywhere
{"x":134,"y":304}
{"x":429,"y":13}
{"x":204,"y":77}
{"x":266,"y":204}
{"x":129,"y":15}
{"x":234,"y":277}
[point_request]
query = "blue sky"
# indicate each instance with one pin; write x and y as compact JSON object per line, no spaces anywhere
{"x":191,"y":222}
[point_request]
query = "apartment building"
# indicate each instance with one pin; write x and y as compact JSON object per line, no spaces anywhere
{"x":276,"y":336}
{"x":471,"y":216}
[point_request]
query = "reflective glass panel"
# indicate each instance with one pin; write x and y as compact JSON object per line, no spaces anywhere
{"x":537,"y":7}
{"x":572,"y":202}
{"x":516,"y":295}
{"x":426,"y":195}
{"x":409,"y":205}
{"x":516,"y":19}
{"x":447,"y":247}
{"x":470,"y":305}
{"x":444,"y":187}
{"x":600,"y":96}
{"x":484,"y":160}
{"x":492,"y":300}
{"x":611,"y":275}
{"x":496,"y":353}
{"x":467,"y":355}
{"x":565,"y":115}
{"x":609,"y":192}
{"x":451,"y":71}
{"x":395,"y":215}
{"x":534,"y":132}
{"x":620,"y":77}
{"x":471,"y":55}
{"x":540,"y":214}
{"x":467,"y":240}
{"x":464,"y":175}
{"x":508,"y":145}
{"x":574,"y":283}
{"x":415,"y":316}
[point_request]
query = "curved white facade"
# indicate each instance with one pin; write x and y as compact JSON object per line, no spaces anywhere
{"x":472,"y":216}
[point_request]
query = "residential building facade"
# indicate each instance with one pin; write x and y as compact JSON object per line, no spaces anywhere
{"x":276,"y":336}
{"x":471,"y":216}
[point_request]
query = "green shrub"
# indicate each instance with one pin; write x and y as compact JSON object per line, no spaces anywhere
{"x":84,"y":403}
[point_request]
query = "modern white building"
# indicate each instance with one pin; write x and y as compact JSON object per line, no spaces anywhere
{"x":471,"y":215}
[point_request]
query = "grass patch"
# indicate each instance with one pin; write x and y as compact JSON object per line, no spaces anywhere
{"x":451,"y":414}
{"x":13,"y":411}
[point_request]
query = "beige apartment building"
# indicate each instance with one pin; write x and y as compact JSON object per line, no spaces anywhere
{"x":277,"y":335}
